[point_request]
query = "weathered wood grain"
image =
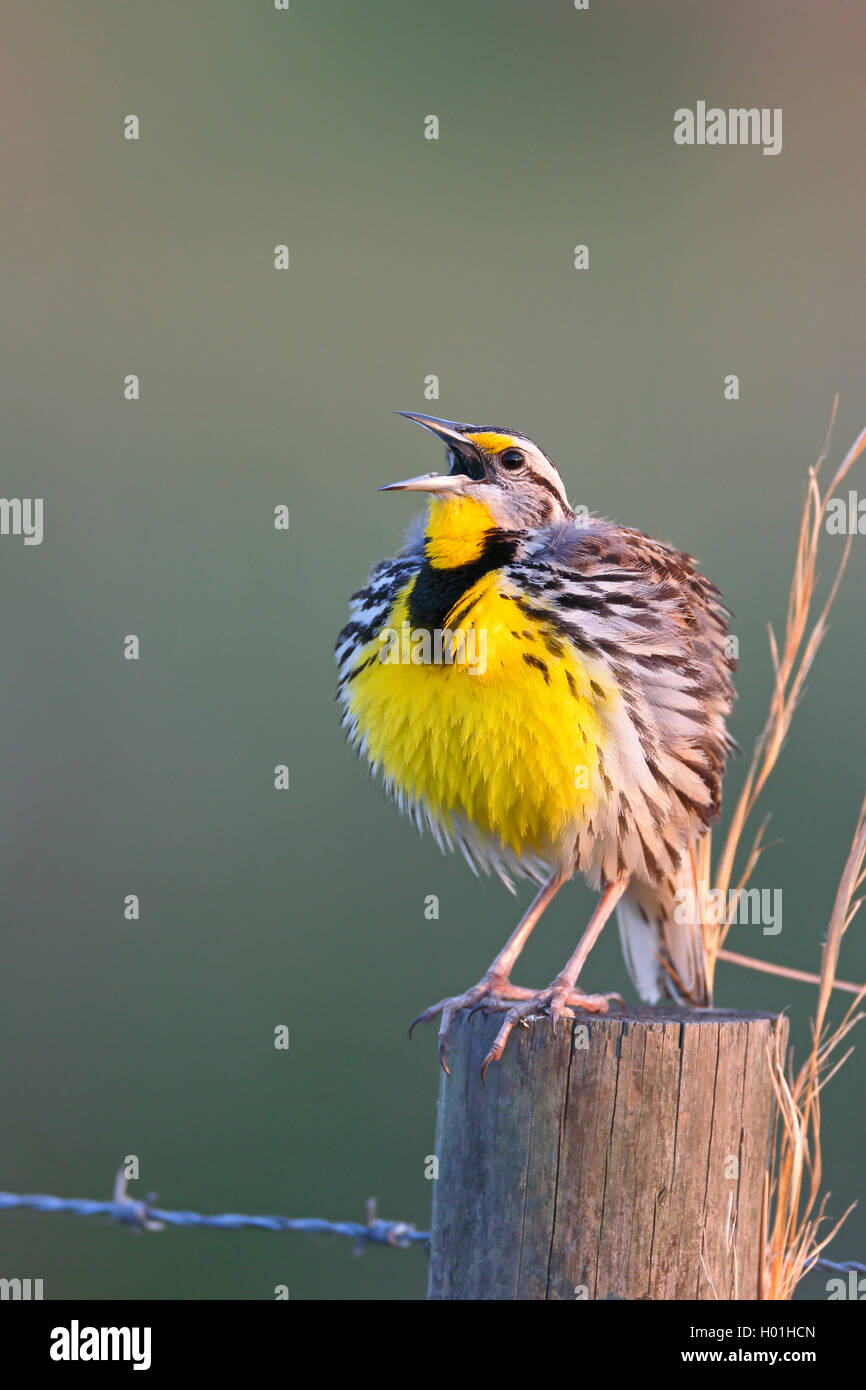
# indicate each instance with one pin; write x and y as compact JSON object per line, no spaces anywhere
{"x":622,"y":1158}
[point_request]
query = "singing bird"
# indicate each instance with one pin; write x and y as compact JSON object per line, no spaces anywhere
{"x":547,"y":691}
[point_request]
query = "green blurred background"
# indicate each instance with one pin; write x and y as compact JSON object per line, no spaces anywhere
{"x":408,"y":257}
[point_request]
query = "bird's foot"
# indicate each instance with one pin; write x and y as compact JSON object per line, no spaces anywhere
{"x":558,"y":1001}
{"x":493,"y":992}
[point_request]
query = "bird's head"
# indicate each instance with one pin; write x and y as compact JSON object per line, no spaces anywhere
{"x":503,"y":471}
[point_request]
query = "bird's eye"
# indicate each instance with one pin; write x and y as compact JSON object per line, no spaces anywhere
{"x":512,"y":458}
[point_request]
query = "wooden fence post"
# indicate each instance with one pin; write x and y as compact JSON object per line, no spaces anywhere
{"x":622,"y":1158}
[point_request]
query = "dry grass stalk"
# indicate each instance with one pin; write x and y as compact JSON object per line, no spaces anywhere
{"x":731,"y":1287}
{"x":794,"y":1209}
{"x":791,"y":666}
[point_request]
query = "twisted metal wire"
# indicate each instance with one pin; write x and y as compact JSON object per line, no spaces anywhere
{"x":374,"y":1231}
{"x":144,"y":1216}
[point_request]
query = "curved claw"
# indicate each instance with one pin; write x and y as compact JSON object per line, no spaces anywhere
{"x":428,"y":1015}
{"x":476,"y":997}
{"x":415,"y":1021}
{"x":513,"y":1016}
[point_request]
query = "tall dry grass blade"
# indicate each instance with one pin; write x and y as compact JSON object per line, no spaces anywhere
{"x":791,"y":666}
{"x":794,"y":1209}
{"x":795,"y":1212}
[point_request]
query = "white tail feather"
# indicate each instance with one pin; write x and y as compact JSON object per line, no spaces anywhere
{"x":665,"y":958}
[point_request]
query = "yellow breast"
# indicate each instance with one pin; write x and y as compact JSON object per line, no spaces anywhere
{"x":502,"y":725}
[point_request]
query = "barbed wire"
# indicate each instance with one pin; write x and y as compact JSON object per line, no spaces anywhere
{"x":144,"y":1216}
{"x":844,"y":1268}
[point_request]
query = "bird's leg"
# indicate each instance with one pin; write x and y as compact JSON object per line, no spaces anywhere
{"x":495,"y":982}
{"x":561,"y":995}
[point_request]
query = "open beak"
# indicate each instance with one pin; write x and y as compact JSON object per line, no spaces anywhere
{"x":465,"y":459}
{"x":427,"y":482}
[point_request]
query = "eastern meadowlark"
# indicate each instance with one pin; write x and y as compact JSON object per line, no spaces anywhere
{"x":591,"y":736}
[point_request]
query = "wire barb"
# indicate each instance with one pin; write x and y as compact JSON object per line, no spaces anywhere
{"x":143,"y":1216}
